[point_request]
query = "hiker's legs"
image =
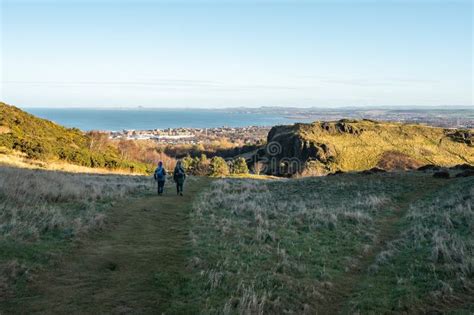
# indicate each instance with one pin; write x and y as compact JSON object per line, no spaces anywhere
{"x":177,"y":188}
{"x":161,"y":186}
{"x":180,"y":188}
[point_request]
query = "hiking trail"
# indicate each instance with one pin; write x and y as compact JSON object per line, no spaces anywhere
{"x":116,"y":270}
{"x":344,"y":288}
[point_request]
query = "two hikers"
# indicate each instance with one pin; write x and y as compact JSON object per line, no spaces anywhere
{"x":179,"y":176}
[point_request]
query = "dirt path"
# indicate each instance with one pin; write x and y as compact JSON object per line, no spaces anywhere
{"x":126,"y":269}
{"x":343,"y":289}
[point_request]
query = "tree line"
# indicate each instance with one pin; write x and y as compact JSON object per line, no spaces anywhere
{"x":216,"y":166}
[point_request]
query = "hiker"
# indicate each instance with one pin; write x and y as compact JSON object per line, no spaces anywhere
{"x":160,"y":177}
{"x":179,"y":175}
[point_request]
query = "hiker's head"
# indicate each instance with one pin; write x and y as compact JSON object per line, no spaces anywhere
{"x":160,"y":164}
{"x":178,"y":163}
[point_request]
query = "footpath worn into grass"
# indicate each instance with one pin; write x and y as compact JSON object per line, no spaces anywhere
{"x":131,"y":267}
{"x":345,"y":288}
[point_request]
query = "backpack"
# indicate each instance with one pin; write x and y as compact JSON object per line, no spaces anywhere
{"x":180,"y":174}
{"x":159,"y":174}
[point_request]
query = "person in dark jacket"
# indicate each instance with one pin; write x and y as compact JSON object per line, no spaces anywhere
{"x":160,"y":177}
{"x":179,"y":176}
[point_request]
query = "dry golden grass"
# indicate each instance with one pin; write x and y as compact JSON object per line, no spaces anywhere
{"x":35,"y":202}
{"x":20,"y":160}
{"x":42,"y":211}
{"x":427,"y":145}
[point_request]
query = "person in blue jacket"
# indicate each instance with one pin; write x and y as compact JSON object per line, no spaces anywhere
{"x":160,"y":177}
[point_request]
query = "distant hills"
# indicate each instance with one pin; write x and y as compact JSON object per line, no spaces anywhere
{"x":44,"y":140}
{"x":317,"y":148}
{"x":355,"y":145}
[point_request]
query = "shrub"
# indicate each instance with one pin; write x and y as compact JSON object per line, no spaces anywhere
{"x":239,"y":166}
{"x":219,"y":167}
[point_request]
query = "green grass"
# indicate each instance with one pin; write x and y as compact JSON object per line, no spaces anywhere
{"x":352,"y":243}
{"x":136,"y":263}
{"x":294,"y":245}
{"x":430,"y":265}
{"x":42,"y":213}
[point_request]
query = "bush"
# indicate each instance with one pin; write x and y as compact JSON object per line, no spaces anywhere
{"x":219,"y":167}
{"x":240,"y":166}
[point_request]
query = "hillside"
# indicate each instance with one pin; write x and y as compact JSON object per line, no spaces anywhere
{"x":355,"y":145}
{"x":350,"y":244}
{"x":41,"y":139}
{"x":367,"y":244}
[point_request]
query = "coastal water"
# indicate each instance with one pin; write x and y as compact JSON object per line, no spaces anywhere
{"x":143,"y":119}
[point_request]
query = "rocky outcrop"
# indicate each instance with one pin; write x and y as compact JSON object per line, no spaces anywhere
{"x":463,"y":136}
{"x":287,"y":152}
{"x":342,"y":126}
{"x":321,"y":148}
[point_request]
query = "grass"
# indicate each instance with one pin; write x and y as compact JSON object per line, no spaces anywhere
{"x":136,"y":262}
{"x":430,"y":265}
{"x":289,"y":245}
{"x":351,"y":243}
{"x":17,"y":159}
{"x":41,"y":212}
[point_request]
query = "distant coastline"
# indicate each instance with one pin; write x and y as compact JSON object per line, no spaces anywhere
{"x":109,"y":119}
{"x":149,"y":119}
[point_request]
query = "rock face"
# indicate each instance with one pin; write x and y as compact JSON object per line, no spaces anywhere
{"x":287,"y":152}
{"x":321,"y":148}
{"x":463,"y":136}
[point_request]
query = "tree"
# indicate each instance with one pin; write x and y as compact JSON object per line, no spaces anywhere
{"x":202,"y":165}
{"x":188,"y":164}
{"x":98,"y":140}
{"x":219,"y":167}
{"x":258,"y":167}
{"x":240,"y":166}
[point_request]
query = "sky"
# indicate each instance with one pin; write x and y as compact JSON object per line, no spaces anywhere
{"x":236,"y":53}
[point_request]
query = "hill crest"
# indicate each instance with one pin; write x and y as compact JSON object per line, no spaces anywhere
{"x":44,"y":140}
{"x":355,"y":145}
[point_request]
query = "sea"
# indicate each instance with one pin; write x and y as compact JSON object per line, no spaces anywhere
{"x":146,"y":119}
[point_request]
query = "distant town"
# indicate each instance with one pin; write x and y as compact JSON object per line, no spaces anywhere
{"x":446,"y":118}
{"x":242,"y":135}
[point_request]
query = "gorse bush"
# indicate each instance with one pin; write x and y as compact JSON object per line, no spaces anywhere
{"x":239,"y":166}
{"x":216,"y":166}
{"x":219,"y":167}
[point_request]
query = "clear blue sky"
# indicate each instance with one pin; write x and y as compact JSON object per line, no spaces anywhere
{"x":236,"y":53}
